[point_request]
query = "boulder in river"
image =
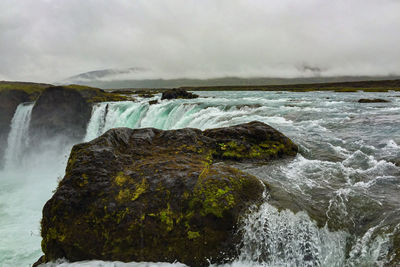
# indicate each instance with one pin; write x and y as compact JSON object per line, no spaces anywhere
{"x":178,"y":94}
{"x":375,"y":100}
{"x":153,"y":195}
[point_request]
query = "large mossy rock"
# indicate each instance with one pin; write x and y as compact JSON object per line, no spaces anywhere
{"x":153,"y":195}
{"x":60,"y":111}
{"x":9,"y":101}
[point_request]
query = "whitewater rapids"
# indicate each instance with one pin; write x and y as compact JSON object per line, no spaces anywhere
{"x":345,"y":169}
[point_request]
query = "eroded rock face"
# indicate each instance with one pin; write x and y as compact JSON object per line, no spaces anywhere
{"x":177,"y":93}
{"x":60,"y":111}
{"x":152,"y":195}
{"x":9,"y":100}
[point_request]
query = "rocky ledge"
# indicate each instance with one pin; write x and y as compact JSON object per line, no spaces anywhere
{"x":64,"y":111}
{"x":178,"y":94}
{"x":58,"y":110}
{"x":153,"y":195}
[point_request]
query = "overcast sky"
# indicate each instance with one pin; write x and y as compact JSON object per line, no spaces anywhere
{"x":49,"y":40}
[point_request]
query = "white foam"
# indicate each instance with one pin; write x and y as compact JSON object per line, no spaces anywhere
{"x":282,"y":238}
{"x":18,"y":138}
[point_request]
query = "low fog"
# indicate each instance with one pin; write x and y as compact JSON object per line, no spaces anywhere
{"x":48,"y":41}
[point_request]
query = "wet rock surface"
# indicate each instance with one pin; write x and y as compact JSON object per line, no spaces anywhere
{"x":178,"y":94}
{"x":374,"y":100}
{"x":153,"y":195}
{"x":60,"y":111}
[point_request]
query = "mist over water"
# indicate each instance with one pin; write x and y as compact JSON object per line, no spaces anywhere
{"x":24,"y":189}
{"x":27,"y":181}
{"x":344,"y":172}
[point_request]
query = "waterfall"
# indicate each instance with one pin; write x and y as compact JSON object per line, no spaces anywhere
{"x":110,"y":115}
{"x":171,"y":115}
{"x":18,"y":138}
{"x":346,"y":169}
{"x":282,"y":238}
{"x":272,"y":237}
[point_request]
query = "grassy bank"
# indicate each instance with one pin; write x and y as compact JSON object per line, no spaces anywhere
{"x":91,"y":94}
{"x":366,"y":86}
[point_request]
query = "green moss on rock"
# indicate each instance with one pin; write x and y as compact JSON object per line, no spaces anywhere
{"x":152,"y":195}
{"x":193,"y":235}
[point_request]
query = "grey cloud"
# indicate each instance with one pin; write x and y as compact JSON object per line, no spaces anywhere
{"x":47,"y":41}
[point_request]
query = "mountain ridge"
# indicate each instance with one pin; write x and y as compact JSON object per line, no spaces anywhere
{"x":120,"y":78}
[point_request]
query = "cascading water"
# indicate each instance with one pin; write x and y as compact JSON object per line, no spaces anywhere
{"x":174,"y":114}
{"x":345,"y":176}
{"x":26,"y":183}
{"x":18,"y":138}
{"x":282,"y":238}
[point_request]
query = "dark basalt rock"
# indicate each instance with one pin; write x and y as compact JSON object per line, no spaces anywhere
{"x":177,"y":94}
{"x":9,"y":100}
{"x":153,"y":195}
{"x":251,"y":141}
{"x":375,"y":100}
{"x":60,"y":111}
{"x":153,"y":102}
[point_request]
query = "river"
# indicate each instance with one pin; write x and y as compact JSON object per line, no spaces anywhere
{"x":340,"y":201}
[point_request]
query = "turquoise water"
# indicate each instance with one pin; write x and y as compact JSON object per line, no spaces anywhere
{"x":344,"y":172}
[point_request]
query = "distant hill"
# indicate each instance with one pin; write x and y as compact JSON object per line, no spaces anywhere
{"x":122,"y":78}
{"x":106,"y":74}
